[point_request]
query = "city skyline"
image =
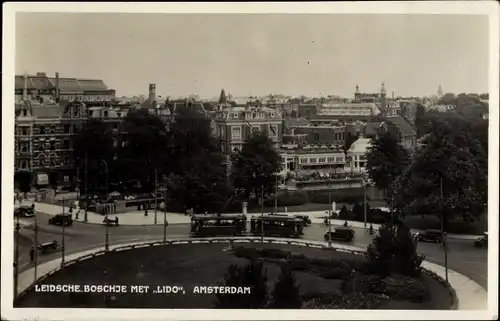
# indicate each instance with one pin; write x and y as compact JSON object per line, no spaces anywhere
{"x":259,"y":54}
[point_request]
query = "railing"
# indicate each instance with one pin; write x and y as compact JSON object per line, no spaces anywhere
{"x":231,"y":240}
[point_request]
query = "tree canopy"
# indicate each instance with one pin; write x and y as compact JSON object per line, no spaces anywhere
{"x":256,"y":165}
{"x":386,"y":160}
{"x":457,"y":161}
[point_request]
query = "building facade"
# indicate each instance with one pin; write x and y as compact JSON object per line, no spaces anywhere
{"x":234,"y":125}
{"x":311,"y":158}
{"x":49,"y":112}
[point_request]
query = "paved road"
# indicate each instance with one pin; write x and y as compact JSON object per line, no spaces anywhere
{"x":463,"y":257}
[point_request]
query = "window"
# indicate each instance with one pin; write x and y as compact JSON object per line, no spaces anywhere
{"x":24,"y":131}
{"x":273,"y":130}
{"x":115,"y":143}
{"x":303,"y":160}
{"x":52,"y":145}
{"x":312,"y":160}
{"x":105,"y":113}
{"x":272,"y":114}
{"x":66,"y":129}
{"x":235,"y":115}
{"x":76,"y":129}
{"x":316,"y":137}
{"x":24,"y":148}
{"x":254,"y":115}
{"x":24,"y":164}
{"x":236,"y":132}
{"x":66,"y":144}
{"x":66,"y":178}
{"x":321,"y":160}
{"x":331,"y":159}
{"x":42,"y":130}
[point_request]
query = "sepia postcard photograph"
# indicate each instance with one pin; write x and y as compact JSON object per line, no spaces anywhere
{"x":250,"y":161}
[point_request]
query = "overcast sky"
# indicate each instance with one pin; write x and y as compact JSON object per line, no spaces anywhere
{"x":259,"y":54}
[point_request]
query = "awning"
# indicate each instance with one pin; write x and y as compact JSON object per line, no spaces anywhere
{"x":42,"y":179}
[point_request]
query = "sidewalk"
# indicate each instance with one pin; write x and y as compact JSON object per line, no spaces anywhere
{"x":471,"y":296}
{"x":138,"y":218}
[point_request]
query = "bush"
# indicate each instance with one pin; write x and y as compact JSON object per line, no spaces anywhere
{"x":405,"y":288}
{"x":342,"y":301}
{"x":287,"y":198}
{"x":252,"y":275}
{"x":362,"y":283}
{"x":286,"y":293}
{"x":394,"y":249}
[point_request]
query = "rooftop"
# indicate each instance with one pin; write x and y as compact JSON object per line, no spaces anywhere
{"x":42,"y":82}
{"x":360,"y":146}
{"x":403,"y":125}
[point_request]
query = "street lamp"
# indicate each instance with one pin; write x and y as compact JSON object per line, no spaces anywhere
{"x":156,"y":193}
{"x":364,"y":200}
{"x":106,"y":245}
{"x":36,"y":248}
{"x":262,"y":213}
{"x":63,"y":242}
{"x":330,"y":210}
{"x":86,"y":187}
{"x":16,"y":263}
{"x":276,"y":195}
{"x":443,"y":231}
{"x":165,"y":215}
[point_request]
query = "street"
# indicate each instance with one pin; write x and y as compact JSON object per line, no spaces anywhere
{"x":463,"y":257}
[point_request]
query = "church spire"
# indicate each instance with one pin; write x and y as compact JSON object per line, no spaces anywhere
{"x":382,"y":90}
{"x":440,"y":91}
{"x":222,"y":98}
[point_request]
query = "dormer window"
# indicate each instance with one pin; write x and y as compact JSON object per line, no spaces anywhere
{"x":235,"y":115}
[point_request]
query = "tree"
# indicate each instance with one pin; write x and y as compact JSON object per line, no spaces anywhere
{"x":357,"y":210}
{"x":190,"y":135}
{"x":286,"y":294}
{"x":23,"y":180}
{"x":256,"y":165}
{"x":252,"y":275}
{"x":394,"y":250}
{"x":446,"y":162}
{"x":386,"y":160}
{"x":203,"y":186}
{"x":144,"y":148}
{"x":93,"y":144}
{"x":344,"y":213}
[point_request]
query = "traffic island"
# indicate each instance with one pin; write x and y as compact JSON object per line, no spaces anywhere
{"x":182,"y":275}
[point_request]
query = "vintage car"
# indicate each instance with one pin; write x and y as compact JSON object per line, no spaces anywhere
{"x":61,"y":219}
{"x":482,"y":241}
{"x":48,"y":247}
{"x":24,"y":211}
{"x":430,"y":236}
{"x":110,"y":222}
{"x":340,"y":233}
{"x":305,"y":218}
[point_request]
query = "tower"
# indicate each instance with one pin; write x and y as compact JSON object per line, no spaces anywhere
{"x":152,"y":93}
{"x":25,"y":86}
{"x":357,"y":93}
{"x":383,"y":92}
{"x":440,"y":91}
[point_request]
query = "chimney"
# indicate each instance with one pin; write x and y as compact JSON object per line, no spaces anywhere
{"x":57,"y":87}
{"x":25,"y":86}
{"x":393,"y":94}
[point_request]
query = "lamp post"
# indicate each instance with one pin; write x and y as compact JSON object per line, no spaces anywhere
{"x":86,"y":187}
{"x":165,"y":215}
{"x":330,"y":211}
{"x":63,"y":235}
{"x":36,"y":248}
{"x":364,"y":201}
{"x":16,"y":263}
{"x":106,"y":245}
{"x":443,"y":230}
{"x":276,"y":195}
{"x":156,"y":193}
{"x":262,"y":213}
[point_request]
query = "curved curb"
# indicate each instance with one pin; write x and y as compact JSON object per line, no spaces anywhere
{"x":356,"y":250}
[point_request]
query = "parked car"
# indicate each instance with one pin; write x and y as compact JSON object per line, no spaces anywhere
{"x":61,"y":219}
{"x":430,"y":236}
{"x":110,"y":222}
{"x":305,"y":218}
{"x":340,"y":233}
{"x":482,"y":241}
{"x":24,"y":211}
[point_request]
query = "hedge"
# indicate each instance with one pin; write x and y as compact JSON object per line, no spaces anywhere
{"x":346,"y":195}
{"x":289,"y":198}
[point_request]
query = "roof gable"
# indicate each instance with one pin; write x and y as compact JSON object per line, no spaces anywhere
{"x":402,"y":124}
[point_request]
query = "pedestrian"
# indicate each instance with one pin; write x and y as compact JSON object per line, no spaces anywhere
{"x":33,"y":207}
{"x":32,"y":254}
{"x":145,"y":211}
{"x":346,"y":224}
{"x":117,"y":221}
